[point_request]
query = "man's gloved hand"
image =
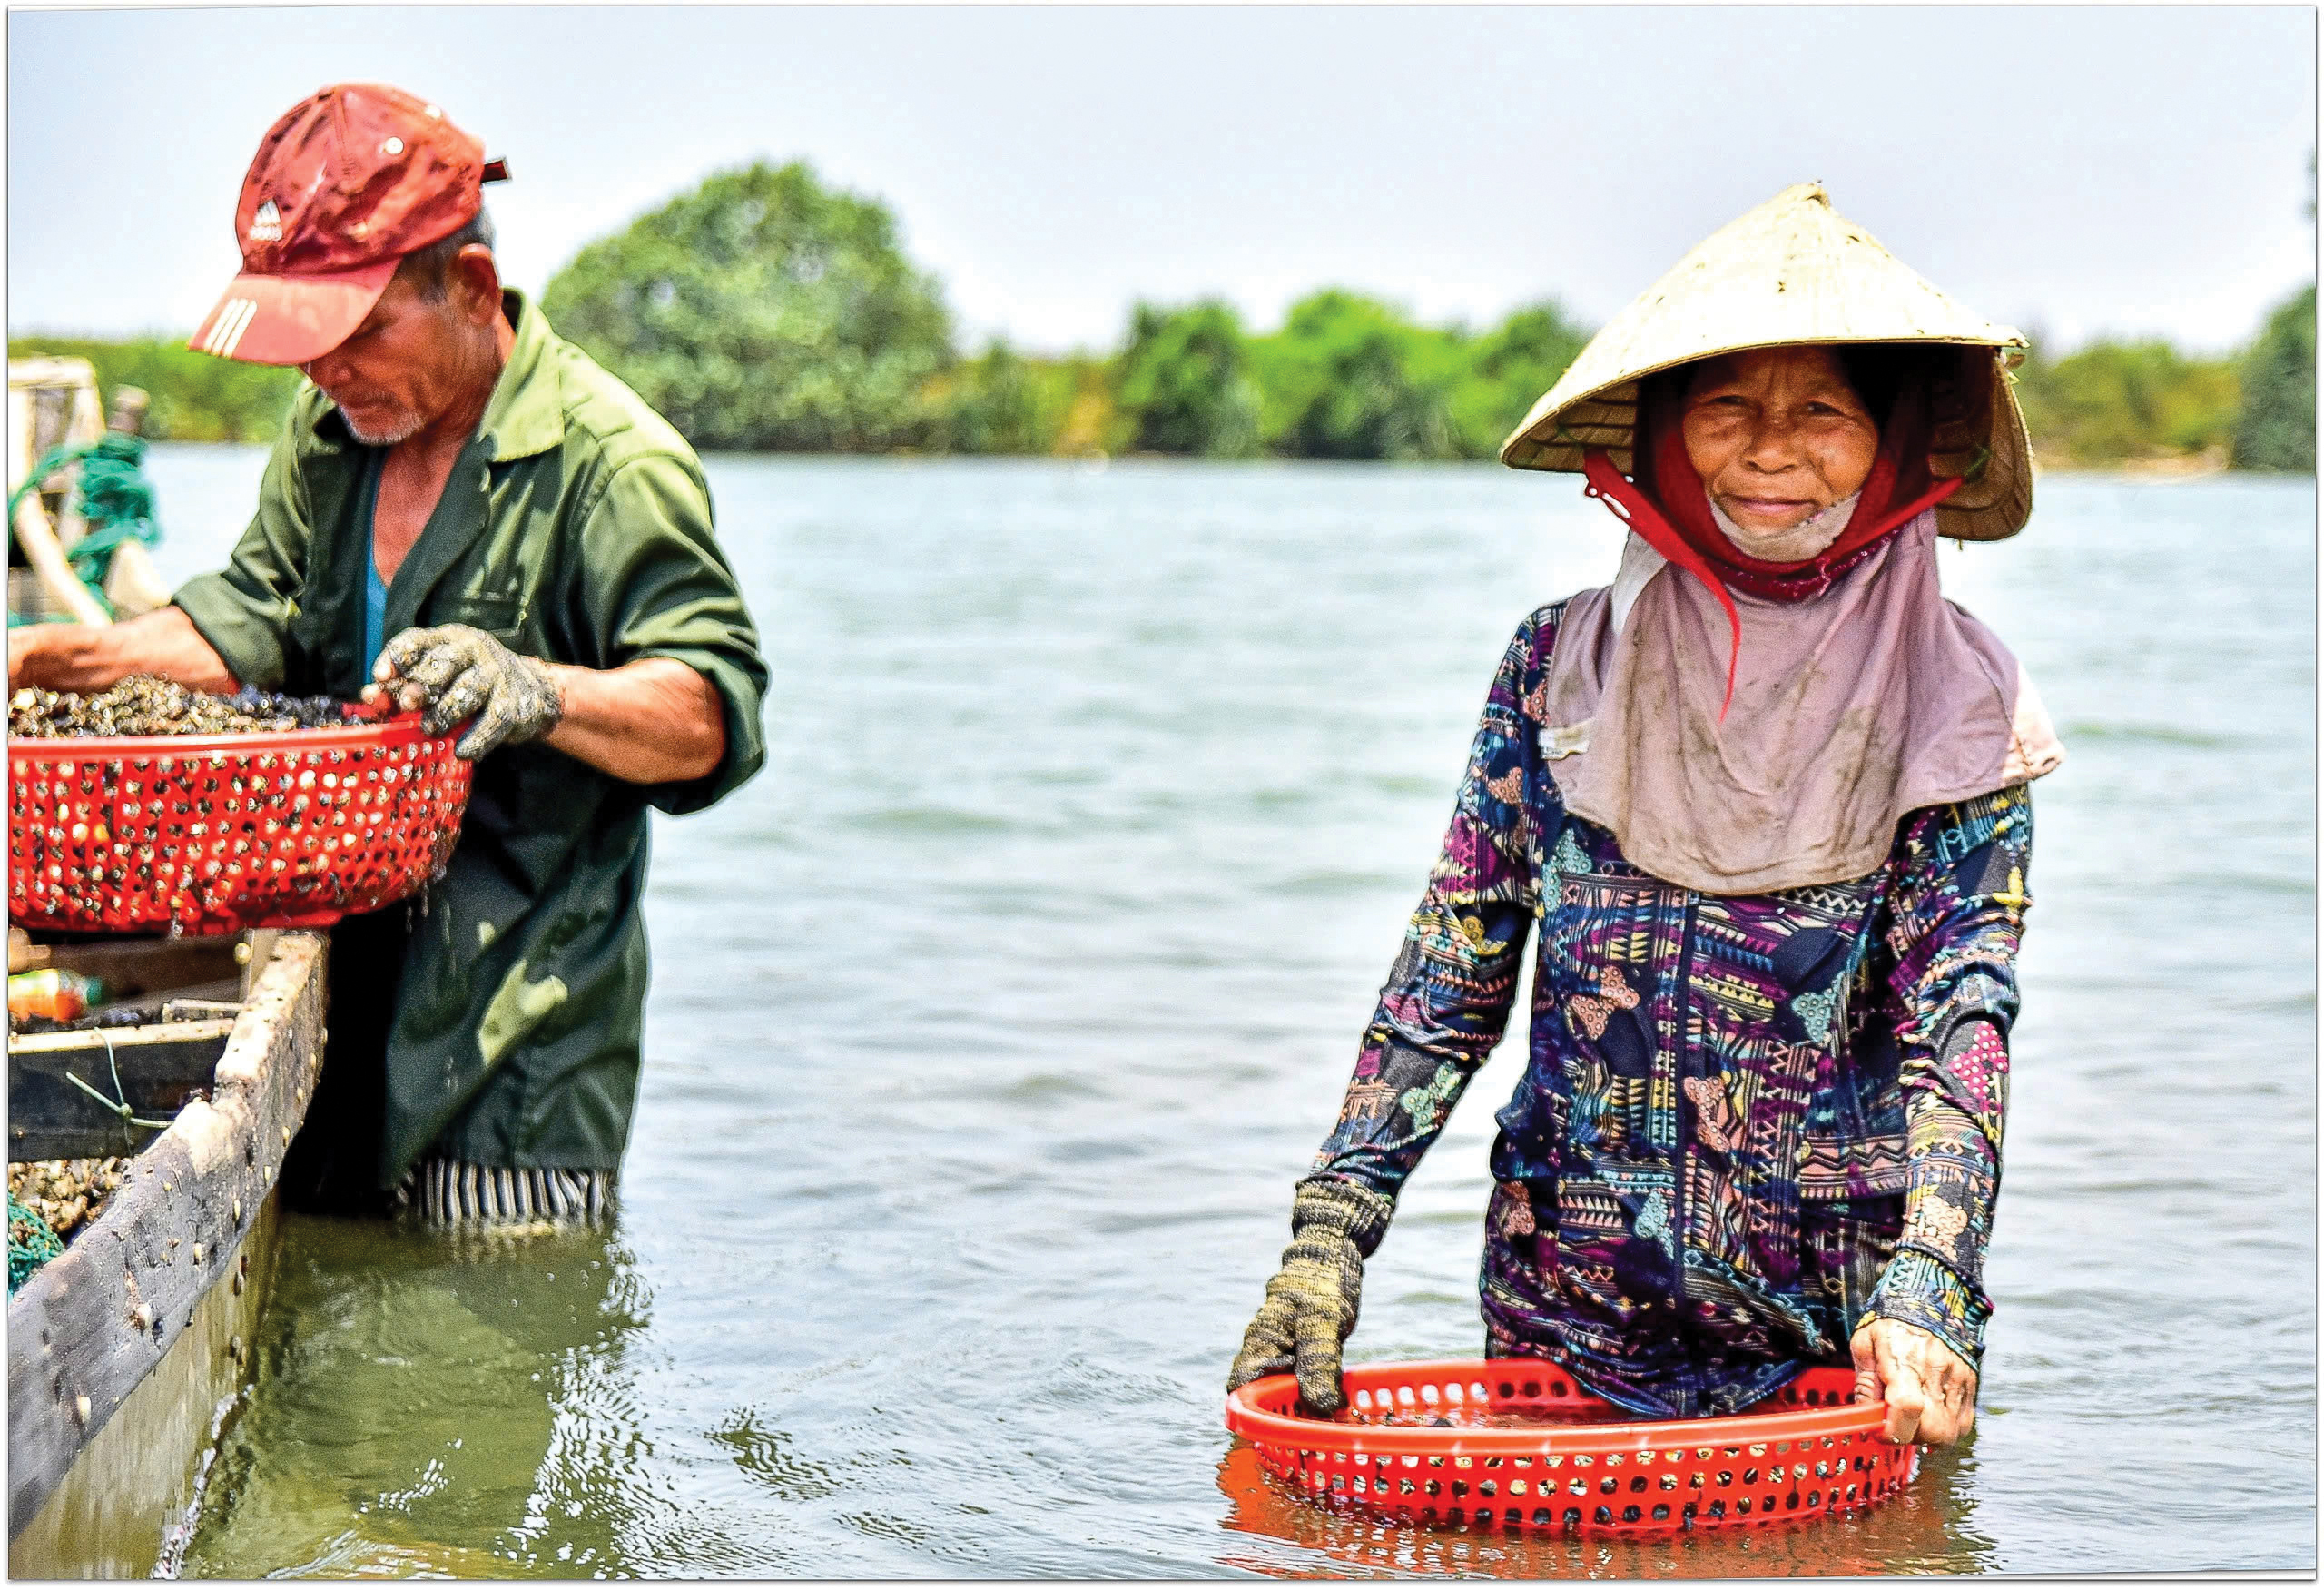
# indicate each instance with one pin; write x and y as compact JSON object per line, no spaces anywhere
{"x":1311,"y":1303}
{"x":455,"y":673}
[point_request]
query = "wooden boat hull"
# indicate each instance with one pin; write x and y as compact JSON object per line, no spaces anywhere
{"x":126,"y":1353}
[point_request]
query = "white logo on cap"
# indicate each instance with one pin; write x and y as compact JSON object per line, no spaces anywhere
{"x":392,"y":146}
{"x":265,"y":226}
{"x":226,"y":327}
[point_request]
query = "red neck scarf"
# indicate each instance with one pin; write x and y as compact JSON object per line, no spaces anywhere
{"x":1670,"y":512}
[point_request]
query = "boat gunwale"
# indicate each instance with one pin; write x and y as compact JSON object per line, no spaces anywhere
{"x":88,"y":1328}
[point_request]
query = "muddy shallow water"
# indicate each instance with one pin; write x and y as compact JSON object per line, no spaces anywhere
{"x":991,"y":1025}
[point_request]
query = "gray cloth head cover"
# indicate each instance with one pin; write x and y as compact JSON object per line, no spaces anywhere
{"x":1851,"y":709}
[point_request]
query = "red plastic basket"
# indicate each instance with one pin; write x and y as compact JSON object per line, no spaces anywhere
{"x":1811,"y":1452}
{"x":216,"y":833}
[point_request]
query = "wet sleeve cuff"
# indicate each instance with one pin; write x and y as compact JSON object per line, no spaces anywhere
{"x":1916,"y":1290}
{"x":739,"y":696}
{"x":247,"y":637}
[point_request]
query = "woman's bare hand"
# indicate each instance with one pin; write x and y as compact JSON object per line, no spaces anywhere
{"x":1932,"y":1395}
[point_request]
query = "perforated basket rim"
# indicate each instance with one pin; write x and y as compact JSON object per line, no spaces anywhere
{"x":1248,"y":1416}
{"x":392,"y":733}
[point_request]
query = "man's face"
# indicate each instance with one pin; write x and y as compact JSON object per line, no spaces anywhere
{"x":402,"y":370}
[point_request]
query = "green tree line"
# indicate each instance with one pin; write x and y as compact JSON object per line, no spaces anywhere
{"x":765,"y":311}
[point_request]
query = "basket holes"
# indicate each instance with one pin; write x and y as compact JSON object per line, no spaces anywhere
{"x":1661,"y":1511}
{"x":1364,"y":1401}
{"x":1452,"y":1392}
{"x":1609,"y":1485}
{"x":1718,"y":1508}
{"x":1557,"y":1388}
{"x":1516,"y":1487}
{"x":1533,"y":1388}
{"x":1668,"y":1482}
{"x":1429,"y":1394}
{"x":1638,"y":1483}
{"x":1750,"y":1476}
{"x":1742,"y":1506}
{"x":1603,"y":1515}
{"x":1629,"y":1514}
{"x":1726,"y":1478}
{"x":1488,"y":1489}
{"x":1404,"y":1395}
{"x":1578,"y":1487}
{"x":1695,"y":1480}
{"x":1782,"y":1446}
{"x":1768,"y":1503}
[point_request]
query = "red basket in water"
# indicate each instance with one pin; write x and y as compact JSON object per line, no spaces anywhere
{"x":215,"y":832}
{"x":1810,"y":1452}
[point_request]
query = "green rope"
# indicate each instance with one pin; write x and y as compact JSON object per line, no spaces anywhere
{"x":115,"y":500}
{"x":31,"y":1243}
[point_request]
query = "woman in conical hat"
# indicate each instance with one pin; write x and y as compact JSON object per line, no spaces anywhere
{"x":1765,"y":796}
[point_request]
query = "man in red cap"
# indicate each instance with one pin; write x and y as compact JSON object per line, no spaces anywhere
{"x":467,"y":516}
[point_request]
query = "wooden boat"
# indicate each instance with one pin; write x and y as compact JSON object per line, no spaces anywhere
{"x":52,"y":402}
{"x":128,"y":1353}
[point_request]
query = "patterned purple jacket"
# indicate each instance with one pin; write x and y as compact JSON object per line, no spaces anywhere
{"x":1745,"y":1121}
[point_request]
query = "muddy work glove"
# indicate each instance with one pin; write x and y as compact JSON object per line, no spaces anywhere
{"x":1311,"y":1303}
{"x":454,"y":673}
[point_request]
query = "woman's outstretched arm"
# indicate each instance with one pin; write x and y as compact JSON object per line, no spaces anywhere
{"x":1958,"y":920}
{"x":1444,"y":1006}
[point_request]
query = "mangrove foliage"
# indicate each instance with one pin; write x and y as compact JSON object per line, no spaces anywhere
{"x":765,"y":311}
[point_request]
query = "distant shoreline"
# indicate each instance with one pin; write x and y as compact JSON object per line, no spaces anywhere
{"x":2171,"y":472}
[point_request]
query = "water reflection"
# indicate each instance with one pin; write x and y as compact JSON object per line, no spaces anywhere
{"x":1926,"y":1529}
{"x":432,"y":1405}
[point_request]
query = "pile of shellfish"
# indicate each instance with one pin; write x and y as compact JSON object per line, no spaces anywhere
{"x":145,"y":705}
{"x":67,"y":1193}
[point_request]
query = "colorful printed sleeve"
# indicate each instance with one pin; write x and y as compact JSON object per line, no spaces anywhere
{"x":1448,"y":996}
{"x":1959,"y":916}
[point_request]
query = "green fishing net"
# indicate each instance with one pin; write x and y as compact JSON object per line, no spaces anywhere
{"x":31,"y":1243}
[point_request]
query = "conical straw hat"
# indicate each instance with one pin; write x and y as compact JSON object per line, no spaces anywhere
{"x":1794,"y":271}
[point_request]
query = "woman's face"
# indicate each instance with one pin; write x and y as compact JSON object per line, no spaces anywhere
{"x":1777,"y":435}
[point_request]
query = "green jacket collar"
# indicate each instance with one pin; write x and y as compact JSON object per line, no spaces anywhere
{"x":526,"y":413}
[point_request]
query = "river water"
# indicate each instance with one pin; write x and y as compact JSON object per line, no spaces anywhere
{"x":991,"y":1025}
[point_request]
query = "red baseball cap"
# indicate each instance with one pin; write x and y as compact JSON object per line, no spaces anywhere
{"x":348,"y":182}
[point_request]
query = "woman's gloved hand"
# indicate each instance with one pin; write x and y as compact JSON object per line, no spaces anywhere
{"x":1311,"y":1303}
{"x":455,"y":673}
{"x":1932,"y":1395}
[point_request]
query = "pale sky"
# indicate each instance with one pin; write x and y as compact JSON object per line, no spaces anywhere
{"x":2085,"y":170}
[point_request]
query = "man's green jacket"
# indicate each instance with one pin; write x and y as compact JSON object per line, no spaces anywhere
{"x":497,"y":1019}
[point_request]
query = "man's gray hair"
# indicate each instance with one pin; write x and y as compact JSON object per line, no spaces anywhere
{"x":430,"y":269}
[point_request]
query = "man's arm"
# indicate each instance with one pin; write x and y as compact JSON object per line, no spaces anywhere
{"x":653,"y":721}
{"x":90,"y":657}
